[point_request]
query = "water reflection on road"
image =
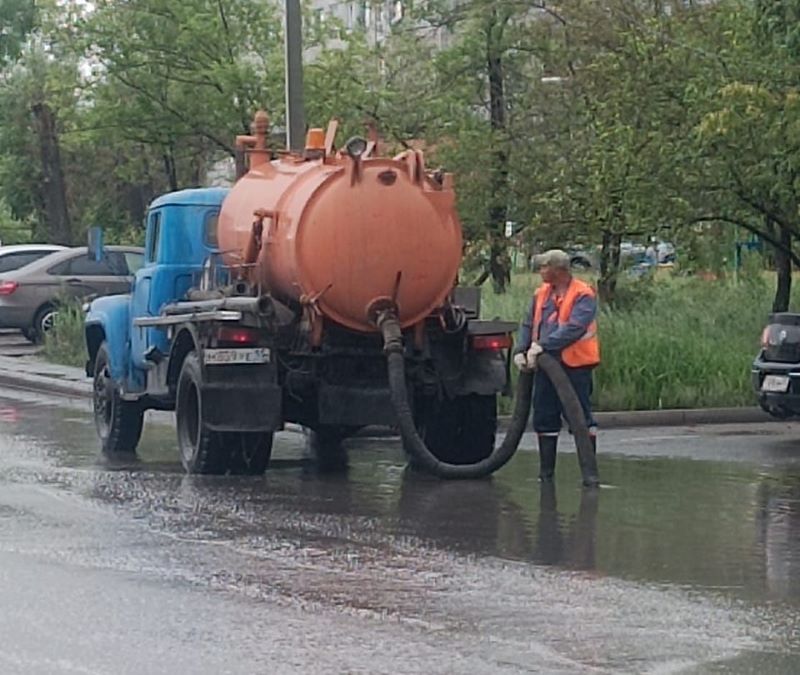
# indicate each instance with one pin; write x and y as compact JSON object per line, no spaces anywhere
{"x":677,"y":565}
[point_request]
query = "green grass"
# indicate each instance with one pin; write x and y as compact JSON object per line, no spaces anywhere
{"x":65,"y":342}
{"x":672,"y":343}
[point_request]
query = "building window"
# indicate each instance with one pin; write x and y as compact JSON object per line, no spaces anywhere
{"x":319,"y":18}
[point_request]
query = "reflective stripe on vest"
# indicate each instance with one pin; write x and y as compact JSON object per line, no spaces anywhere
{"x":586,"y":350}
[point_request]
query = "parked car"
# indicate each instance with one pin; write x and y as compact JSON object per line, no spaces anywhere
{"x":18,"y":255}
{"x":775,"y":373}
{"x":30,"y":296}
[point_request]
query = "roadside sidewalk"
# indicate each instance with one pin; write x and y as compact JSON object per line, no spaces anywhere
{"x":35,"y":374}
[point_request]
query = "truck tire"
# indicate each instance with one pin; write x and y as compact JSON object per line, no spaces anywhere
{"x":202,"y":450}
{"x":249,"y":451}
{"x":460,"y":430}
{"x":118,"y":422}
{"x":324,"y":444}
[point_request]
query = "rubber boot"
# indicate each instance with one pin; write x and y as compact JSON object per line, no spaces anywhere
{"x":547,"y":458}
{"x":591,"y":479}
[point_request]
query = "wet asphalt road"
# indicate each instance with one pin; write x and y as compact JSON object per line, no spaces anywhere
{"x":688,"y":560}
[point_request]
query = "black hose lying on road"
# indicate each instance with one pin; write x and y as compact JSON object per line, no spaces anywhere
{"x":393,"y":346}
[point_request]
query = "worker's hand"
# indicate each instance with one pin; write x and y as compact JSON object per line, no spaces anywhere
{"x":521,"y":362}
{"x":532,"y":354}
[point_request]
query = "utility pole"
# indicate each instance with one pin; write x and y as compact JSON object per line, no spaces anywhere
{"x":295,"y":112}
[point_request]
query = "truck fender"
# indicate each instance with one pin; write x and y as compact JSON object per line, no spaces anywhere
{"x":186,"y":340}
{"x":108,"y":320}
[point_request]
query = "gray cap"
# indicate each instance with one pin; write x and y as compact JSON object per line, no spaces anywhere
{"x":555,"y":257}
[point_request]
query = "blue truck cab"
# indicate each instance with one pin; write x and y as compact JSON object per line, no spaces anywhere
{"x":151,"y":349}
{"x":180,"y":236}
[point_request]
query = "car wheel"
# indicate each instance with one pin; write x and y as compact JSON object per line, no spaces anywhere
{"x":43,"y":323}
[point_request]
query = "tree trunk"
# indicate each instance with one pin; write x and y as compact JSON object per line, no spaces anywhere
{"x":53,"y":190}
{"x":609,"y":266}
{"x":783,"y":266}
{"x":170,"y":170}
{"x":499,"y":261}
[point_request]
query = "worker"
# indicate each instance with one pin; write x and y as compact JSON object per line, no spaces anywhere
{"x":560,"y":321}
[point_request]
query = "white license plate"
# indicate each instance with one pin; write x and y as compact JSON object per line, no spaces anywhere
{"x":775,"y":383}
{"x":217,"y":357}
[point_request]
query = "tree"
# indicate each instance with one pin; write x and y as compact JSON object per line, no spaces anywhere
{"x":183,"y":78}
{"x":748,"y":169}
{"x":17,"y":19}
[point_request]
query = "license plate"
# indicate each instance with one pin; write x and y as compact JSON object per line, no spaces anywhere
{"x":775,"y":383}
{"x":218,"y":357}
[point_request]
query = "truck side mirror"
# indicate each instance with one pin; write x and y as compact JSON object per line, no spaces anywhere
{"x":96,"y":249}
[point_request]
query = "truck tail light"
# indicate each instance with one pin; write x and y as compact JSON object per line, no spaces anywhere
{"x":8,"y":287}
{"x":765,"y":338}
{"x":492,"y":342}
{"x":238,"y":335}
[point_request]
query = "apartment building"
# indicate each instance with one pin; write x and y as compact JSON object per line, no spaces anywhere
{"x":374,"y":17}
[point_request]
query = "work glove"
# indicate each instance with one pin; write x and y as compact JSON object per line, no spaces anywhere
{"x":532,"y":354}
{"x":521,"y":362}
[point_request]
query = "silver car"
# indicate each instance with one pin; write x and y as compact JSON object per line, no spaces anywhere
{"x":29,"y":296}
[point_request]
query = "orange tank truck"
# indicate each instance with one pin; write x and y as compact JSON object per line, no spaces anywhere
{"x":322,"y":290}
{"x":347,"y":230}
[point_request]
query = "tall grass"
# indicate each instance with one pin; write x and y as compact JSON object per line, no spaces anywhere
{"x":670,"y":343}
{"x":65,"y":343}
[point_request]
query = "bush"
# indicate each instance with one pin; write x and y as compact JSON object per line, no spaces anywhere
{"x":65,"y":342}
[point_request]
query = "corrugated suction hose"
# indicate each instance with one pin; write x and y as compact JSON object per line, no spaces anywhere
{"x":393,"y":346}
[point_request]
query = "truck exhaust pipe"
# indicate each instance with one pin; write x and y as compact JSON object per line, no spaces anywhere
{"x":393,"y":346}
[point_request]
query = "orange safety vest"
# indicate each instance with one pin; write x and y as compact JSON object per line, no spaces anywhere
{"x":586,"y":350}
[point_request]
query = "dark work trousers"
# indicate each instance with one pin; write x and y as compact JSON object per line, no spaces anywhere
{"x":547,"y":405}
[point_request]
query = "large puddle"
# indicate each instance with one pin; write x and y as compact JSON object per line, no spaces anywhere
{"x":677,"y":565}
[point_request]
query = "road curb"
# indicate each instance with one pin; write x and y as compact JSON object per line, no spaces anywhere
{"x":17,"y":378}
{"x":681,"y":418}
{"x":45,"y":385}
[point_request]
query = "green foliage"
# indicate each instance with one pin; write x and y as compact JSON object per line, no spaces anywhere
{"x":12,"y":231}
{"x":17,"y":19}
{"x":690,"y":346}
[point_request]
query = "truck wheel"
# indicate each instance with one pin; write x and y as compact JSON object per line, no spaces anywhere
{"x":118,"y":422}
{"x":202,"y":450}
{"x":324,"y":444}
{"x":249,"y":451}
{"x":459,"y":430}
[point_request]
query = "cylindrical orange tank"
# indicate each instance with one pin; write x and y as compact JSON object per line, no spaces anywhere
{"x":342,"y":230}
